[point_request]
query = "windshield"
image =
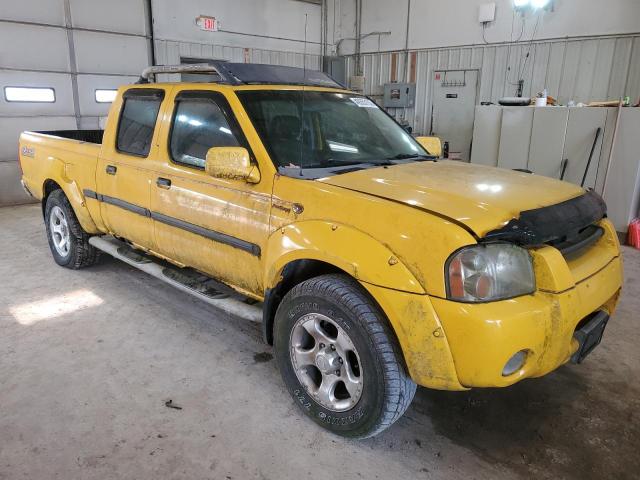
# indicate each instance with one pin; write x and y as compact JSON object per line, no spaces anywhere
{"x":326,"y":130}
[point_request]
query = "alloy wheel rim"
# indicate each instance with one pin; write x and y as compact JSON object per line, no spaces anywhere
{"x":60,"y":235}
{"x":326,"y":362}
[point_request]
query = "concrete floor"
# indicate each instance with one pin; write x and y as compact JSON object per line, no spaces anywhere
{"x":88,"y":359}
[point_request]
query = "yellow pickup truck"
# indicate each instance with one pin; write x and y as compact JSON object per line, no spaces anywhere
{"x":373,"y":266}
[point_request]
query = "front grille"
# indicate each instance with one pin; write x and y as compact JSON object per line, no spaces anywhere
{"x":574,"y":244}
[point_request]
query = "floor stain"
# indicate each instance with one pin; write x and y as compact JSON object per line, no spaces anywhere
{"x":262,"y":357}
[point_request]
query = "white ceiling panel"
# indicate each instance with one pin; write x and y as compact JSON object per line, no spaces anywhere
{"x":127,"y":16}
{"x":33,"y":47}
{"x":87,"y":85}
{"x":38,"y":11}
{"x":60,"y":82}
{"x":11,"y":191}
{"x":11,"y":128}
{"x":106,"y":53}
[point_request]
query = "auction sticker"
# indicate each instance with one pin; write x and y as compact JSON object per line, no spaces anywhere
{"x":363,"y":102}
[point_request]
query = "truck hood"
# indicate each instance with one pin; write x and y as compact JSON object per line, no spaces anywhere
{"x":481,"y":198}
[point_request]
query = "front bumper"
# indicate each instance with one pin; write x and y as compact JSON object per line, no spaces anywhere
{"x":456,"y":346}
{"x":450,"y":345}
{"x":483,"y":337}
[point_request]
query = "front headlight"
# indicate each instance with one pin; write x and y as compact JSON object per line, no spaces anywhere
{"x":485,"y":273}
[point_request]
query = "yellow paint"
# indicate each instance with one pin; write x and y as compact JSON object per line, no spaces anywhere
{"x":483,"y":337}
{"x":232,"y":163}
{"x":433,"y":145}
{"x":481,"y":197}
{"x":77,"y":170}
{"x":390,"y":228}
{"x":351,"y":250}
{"x":421,"y":336}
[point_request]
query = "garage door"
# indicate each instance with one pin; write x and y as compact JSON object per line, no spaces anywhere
{"x":59,"y":62}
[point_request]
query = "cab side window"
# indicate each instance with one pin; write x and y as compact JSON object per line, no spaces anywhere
{"x":138,"y":120}
{"x":198,"y":125}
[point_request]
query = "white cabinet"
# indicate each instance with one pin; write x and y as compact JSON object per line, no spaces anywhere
{"x":622,"y":190}
{"x":581,"y":133}
{"x":515,"y":137}
{"x":542,"y":139}
{"x":547,"y":141}
{"x":488,"y":121}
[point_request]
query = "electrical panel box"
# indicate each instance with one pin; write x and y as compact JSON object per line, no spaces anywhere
{"x":399,"y":95}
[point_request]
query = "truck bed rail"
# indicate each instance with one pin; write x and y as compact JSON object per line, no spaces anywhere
{"x":89,"y":136}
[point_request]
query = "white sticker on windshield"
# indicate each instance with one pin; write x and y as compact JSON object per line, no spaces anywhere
{"x":363,"y":102}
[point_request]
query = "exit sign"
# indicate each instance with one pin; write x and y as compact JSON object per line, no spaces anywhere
{"x":208,"y":24}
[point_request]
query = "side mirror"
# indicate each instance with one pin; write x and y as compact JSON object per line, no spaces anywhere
{"x":433,"y":145}
{"x":232,"y":163}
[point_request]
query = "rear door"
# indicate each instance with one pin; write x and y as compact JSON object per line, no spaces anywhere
{"x":125,"y":171}
{"x":218,"y":226}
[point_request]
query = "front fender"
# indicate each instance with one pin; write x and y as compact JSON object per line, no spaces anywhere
{"x":351,"y":250}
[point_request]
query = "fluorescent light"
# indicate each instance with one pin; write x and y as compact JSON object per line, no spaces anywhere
{"x":225,"y":130}
{"x":105,"y":96}
{"x":29,"y":94}
{"x":520,"y":3}
{"x":539,"y":3}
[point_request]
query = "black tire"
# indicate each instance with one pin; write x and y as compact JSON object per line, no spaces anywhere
{"x":387,"y":390}
{"x":80,"y":253}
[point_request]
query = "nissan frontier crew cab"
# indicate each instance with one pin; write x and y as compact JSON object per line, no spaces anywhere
{"x":373,"y":266}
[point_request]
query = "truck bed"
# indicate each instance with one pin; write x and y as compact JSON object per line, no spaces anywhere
{"x":89,"y":136}
{"x":64,"y":156}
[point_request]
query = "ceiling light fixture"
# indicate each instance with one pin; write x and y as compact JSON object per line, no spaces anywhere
{"x":539,"y":3}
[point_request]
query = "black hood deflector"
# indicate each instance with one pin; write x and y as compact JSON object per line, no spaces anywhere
{"x":553,"y":223}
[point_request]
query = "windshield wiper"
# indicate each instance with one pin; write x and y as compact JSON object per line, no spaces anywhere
{"x":409,"y":156}
{"x":382,"y":161}
{"x":337,"y":165}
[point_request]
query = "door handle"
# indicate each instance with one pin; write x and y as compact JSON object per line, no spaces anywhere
{"x":111,"y":169}
{"x":163,"y":183}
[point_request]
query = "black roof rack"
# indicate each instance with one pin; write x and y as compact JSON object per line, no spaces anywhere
{"x":248,"y":74}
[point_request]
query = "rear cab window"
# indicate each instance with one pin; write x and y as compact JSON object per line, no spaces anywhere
{"x":202,"y":120}
{"x":137,"y":122}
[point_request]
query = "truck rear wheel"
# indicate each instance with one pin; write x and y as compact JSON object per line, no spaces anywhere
{"x":68,"y":242}
{"x":339,"y":358}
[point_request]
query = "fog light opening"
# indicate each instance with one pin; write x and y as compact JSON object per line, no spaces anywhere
{"x":515,"y":363}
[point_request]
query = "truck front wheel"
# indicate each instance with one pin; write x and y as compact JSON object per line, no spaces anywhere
{"x":339,"y":359}
{"x":68,"y":242}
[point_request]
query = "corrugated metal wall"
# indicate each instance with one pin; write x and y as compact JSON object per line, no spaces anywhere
{"x":582,"y":70}
{"x":170,"y":52}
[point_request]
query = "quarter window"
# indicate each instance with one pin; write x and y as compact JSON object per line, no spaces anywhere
{"x":137,"y":122}
{"x":198,"y":125}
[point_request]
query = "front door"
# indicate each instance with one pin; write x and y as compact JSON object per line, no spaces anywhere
{"x":125,"y":167}
{"x":217,"y":226}
{"x":454,"y":102}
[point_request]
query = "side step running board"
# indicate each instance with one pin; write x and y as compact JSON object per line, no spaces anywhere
{"x":187,"y":280}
